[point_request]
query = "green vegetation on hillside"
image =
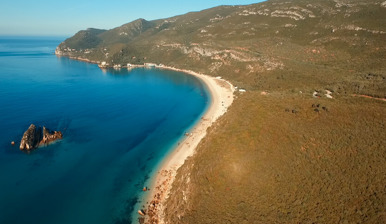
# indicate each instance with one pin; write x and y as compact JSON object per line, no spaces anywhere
{"x":274,"y":45}
{"x":85,"y":39}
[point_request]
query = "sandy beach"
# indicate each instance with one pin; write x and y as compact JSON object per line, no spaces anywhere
{"x":221,"y":92}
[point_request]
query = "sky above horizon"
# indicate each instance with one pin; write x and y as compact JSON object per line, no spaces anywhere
{"x":65,"y":18}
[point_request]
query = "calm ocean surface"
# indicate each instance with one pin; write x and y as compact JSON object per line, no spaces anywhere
{"x":117,"y":125}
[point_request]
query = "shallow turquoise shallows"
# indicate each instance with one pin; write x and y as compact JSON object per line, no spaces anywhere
{"x":117,"y":126}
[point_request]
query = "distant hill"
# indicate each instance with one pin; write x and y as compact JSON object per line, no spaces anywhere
{"x":289,"y":40}
{"x":291,"y":155}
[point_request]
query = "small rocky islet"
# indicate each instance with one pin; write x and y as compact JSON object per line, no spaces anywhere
{"x":37,"y":136}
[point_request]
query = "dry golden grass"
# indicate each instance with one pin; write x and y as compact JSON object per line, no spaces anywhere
{"x":262,"y":164}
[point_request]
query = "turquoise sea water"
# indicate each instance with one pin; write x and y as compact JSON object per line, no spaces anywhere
{"x":117,"y":125}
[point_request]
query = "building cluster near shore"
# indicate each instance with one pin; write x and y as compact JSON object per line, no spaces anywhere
{"x":105,"y":64}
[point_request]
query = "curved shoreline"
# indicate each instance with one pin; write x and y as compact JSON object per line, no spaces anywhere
{"x":221,"y":92}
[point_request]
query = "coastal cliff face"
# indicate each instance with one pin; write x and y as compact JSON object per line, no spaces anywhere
{"x":305,"y":143}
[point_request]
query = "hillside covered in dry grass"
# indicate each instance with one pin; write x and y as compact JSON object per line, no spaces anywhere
{"x":263,"y":164}
{"x":292,"y":154}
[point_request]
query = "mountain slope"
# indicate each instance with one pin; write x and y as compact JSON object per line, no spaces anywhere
{"x":257,"y":44}
{"x":84,"y":39}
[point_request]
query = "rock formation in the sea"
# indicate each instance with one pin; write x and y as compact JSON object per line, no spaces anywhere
{"x":30,"y":138}
{"x":50,"y":136}
{"x":36,"y":136}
